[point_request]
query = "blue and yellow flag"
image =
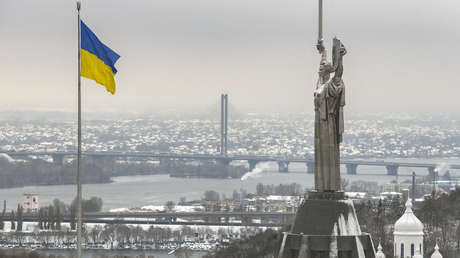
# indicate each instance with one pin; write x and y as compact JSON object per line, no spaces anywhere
{"x":97,"y":60}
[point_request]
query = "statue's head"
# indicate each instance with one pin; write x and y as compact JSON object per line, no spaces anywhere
{"x":325,"y":69}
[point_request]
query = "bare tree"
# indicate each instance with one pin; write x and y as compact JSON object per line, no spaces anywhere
{"x":13,"y":222}
{"x":96,"y":233}
{"x":2,"y":217}
{"x":169,"y":206}
{"x":19,"y":218}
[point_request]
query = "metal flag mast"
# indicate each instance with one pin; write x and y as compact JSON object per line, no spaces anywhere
{"x":320,"y":20}
{"x":79,"y":195}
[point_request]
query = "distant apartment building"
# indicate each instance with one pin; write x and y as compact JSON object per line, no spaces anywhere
{"x":30,"y":203}
{"x":420,"y":189}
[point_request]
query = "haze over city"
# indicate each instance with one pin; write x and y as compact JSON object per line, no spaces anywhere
{"x":182,"y":54}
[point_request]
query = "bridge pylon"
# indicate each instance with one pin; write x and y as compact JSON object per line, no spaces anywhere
{"x":352,"y":169}
{"x":224,"y":161}
{"x":310,"y":167}
{"x":392,"y":170}
{"x":283,"y":166}
{"x":58,"y":159}
{"x":223,"y":124}
{"x":432,"y":173}
{"x":164,"y":161}
{"x":252,"y":164}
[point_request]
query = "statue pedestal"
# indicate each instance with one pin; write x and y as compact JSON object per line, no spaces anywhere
{"x":314,"y":195}
{"x":326,"y":226}
{"x":307,"y":246}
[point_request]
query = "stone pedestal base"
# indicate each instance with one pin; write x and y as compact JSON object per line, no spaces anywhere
{"x":326,"y":226}
{"x":305,"y":246}
{"x":314,"y":195}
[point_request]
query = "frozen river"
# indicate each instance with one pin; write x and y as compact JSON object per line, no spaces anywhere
{"x":138,"y":191}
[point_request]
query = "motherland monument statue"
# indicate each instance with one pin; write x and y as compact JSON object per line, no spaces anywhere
{"x":326,"y":224}
{"x":329,"y":125}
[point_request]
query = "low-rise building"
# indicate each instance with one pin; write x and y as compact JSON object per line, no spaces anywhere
{"x":30,"y":203}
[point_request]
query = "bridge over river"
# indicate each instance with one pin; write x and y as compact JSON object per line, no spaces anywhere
{"x":282,"y":161}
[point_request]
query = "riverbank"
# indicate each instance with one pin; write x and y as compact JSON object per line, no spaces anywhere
{"x":139,"y":191}
{"x":39,"y":172}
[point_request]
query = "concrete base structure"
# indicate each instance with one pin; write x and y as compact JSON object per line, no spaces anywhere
{"x":326,"y":227}
{"x":307,"y":246}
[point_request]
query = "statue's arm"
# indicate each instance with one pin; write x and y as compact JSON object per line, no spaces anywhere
{"x":321,"y":50}
{"x":339,"y":71}
{"x":320,"y":46}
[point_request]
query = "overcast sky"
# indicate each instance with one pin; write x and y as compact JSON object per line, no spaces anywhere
{"x":402,"y":55}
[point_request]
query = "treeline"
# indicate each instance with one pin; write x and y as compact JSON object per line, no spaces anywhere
{"x":50,"y":217}
{"x":123,"y":235}
{"x":133,"y":168}
{"x":114,"y":236}
{"x":281,"y":189}
{"x":16,"y":219}
{"x":175,"y":168}
{"x":439,"y":214}
{"x":441,"y":217}
{"x":204,"y":169}
{"x":40,"y":172}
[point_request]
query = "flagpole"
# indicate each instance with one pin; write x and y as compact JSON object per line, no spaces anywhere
{"x":320,"y":20}
{"x":79,"y":195}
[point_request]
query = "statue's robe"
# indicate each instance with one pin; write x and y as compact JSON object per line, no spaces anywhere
{"x":329,"y":101}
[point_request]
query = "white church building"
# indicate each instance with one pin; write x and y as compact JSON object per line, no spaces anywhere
{"x":408,"y":237}
{"x":408,"y":234}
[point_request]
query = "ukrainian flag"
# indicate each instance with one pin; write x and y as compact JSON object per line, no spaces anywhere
{"x":97,"y":60}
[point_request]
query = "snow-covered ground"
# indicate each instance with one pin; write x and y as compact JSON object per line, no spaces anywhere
{"x":30,"y":227}
{"x":161,"y":208}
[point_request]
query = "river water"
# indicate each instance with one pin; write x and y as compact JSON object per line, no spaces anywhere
{"x":138,"y":191}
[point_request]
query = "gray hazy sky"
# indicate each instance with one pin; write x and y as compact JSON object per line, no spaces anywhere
{"x":402,"y":55}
